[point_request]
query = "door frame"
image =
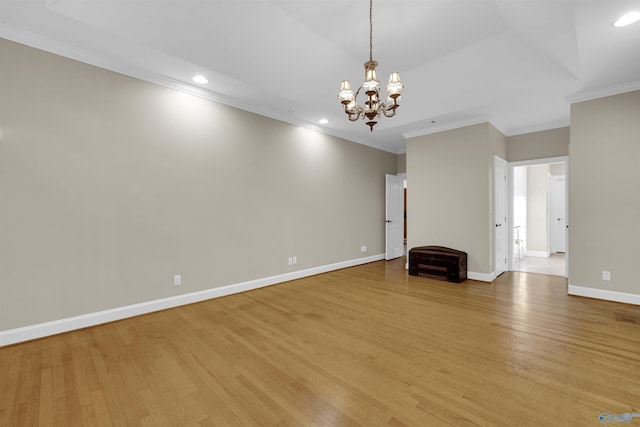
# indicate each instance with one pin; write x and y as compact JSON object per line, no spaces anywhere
{"x":510,"y":233}
{"x":503,"y":222}
{"x":403,"y":175}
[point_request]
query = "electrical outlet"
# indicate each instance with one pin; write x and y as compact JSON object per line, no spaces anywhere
{"x":606,"y":275}
{"x":177,"y":280}
{"x":290,"y":260}
{"x":363,"y":248}
{"x":295,"y":260}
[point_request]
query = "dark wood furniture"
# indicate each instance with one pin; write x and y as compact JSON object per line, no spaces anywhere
{"x":438,"y":262}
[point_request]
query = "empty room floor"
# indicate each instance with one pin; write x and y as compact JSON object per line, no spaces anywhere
{"x":363,"y":346}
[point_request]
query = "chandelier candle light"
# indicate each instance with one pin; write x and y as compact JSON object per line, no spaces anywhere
{"x":372,"y":107}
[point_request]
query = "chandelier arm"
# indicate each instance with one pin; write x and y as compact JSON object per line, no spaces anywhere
{"x":353,"y":117}
{"x":386,"y":112}
{"x":357,"y":111}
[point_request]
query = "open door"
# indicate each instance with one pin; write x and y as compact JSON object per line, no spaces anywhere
{"x":394,"y":217}
{"x":557,"y":214}
{"x":500,"y":215}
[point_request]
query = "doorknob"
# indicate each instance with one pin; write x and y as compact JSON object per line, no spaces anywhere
{"x":498,"y":225}
{"x":387,"y":220}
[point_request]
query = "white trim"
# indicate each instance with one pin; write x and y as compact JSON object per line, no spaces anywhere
{"x":604,"y":92}
{"x":483,"y":277}
{"x":119,"y":66}
{"x":539,"y":127}
{"x":565,"y":122}
{"x":537,"y":254}
{"x":445,"y":127}
{"x":27,"y":333}
{"x":604,"y":294}
{"x":543,"y":161}
{"x":511,"y":220}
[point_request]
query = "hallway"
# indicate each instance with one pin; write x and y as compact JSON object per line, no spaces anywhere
{"x":553,"y":266}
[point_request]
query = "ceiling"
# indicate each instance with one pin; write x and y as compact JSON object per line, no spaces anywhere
{"x":515,"y":63}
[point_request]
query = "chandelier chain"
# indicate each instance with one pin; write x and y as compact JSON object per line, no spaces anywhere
{"x":370,"y":30}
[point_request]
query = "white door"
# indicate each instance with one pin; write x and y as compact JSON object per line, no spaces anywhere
{"x":500,"y":215}
{"x":557,"y":214}
{"x":394,"y":217}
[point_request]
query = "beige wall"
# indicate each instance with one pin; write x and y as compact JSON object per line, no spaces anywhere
{"x":604,"y":193}
{"x":401,"y":164}
{"x":450,"y":191}
{"x":497,"y":142}
{"x":109,"y":186}
{"x":538,"y":145}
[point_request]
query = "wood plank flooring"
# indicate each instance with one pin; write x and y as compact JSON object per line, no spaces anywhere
{"x":363,"y":346}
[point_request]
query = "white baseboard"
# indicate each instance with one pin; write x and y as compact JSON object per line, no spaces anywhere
{"x":603,"y":294}
{"x":27,"y":333}
{"x":537,"y":254}
{"x":483,"y":277}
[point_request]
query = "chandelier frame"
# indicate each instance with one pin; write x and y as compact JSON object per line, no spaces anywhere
{"x":372,"y":106}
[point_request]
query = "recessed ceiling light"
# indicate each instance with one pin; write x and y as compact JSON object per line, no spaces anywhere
{"x":200,"y":79}
{"x":323,"y":121}
{"x":627,"y":19}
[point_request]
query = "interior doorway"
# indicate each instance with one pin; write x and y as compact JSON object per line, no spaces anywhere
{"x":538,"y":209}
{"x":500,"y":196}
{"x":404,"y":213}
{"x":394,"y":214}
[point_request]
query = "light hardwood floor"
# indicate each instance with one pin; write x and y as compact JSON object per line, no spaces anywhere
{"x":363,"y":346}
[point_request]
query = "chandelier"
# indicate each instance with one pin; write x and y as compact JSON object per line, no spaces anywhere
{"x":372,"y":106}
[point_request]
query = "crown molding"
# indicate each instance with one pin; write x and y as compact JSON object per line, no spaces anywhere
{"x":539,"y":128}
{"x":603,"y":92}
{"x":101,"y":61}
{"x":447,"y":126}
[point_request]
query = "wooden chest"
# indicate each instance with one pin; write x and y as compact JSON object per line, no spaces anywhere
{"x":438,"y":262}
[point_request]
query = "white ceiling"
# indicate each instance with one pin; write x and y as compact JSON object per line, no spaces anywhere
{"x":514,"y":63}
